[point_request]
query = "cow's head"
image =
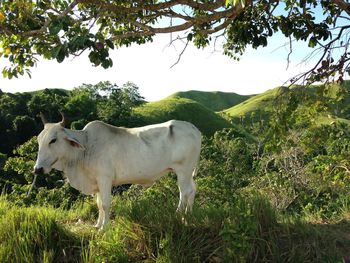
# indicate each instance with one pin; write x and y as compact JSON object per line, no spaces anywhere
{"x":55,"y":144}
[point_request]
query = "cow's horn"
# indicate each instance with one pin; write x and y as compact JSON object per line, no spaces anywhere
{"x":63,"y":121}
{"x":42,"y":117}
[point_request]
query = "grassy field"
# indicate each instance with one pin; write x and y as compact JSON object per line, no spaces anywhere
{"x":215,"y":100}
{"x":145,"y":228}
{"x":263,"y":101}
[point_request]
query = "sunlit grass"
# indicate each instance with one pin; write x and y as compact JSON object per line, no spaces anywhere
{"x":215,"y":100}
{"x":146,"y":228}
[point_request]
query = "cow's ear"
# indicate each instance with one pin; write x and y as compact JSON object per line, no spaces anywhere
{"x":74,"y":143}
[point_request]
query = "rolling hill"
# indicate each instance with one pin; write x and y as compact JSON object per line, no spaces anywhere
{"x":263,"y":104}
{"x":215,"y":100}
{"x":182,"y":109}
{"x":263,"y":101}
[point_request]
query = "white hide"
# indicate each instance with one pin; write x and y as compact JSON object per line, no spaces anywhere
{"x":101,"y":155}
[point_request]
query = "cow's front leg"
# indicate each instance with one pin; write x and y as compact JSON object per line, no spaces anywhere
{"x":103,"y":202}
{"x":100,"y":211}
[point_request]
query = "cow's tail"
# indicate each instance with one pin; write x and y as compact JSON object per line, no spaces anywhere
{"x":195,"y":171}
{"x":196,"y":167}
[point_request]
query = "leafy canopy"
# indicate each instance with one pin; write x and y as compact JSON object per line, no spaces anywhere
{"x":57,"y":29}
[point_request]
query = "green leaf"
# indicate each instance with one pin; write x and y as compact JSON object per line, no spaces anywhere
{"x":109,"y":43}
{"x":235,"y":2}
{"x":55,"y":27}
{"x":55,"y":51}
{"x":312,"y":42}
{"x":61,"y":54}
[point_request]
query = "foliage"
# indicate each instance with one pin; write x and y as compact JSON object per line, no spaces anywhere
{"x":307,"y":171}
{"x":295,"y":107}
{"x":57,"y":29}
{"x":105,"y":101}
{"x":116,"y":106}
{"x":16,"y":126}
{"x":226,"y":165}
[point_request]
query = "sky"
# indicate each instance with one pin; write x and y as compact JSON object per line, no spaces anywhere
{"x":149,"y":67}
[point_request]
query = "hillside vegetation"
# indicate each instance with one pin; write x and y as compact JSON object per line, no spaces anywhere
{"x":262,"y":106}
{"x":215,"y":100}
{"x":273,"y":187}
{"x":260,"y":102}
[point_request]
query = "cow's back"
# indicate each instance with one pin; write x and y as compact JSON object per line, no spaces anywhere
{"x":173,"y":129}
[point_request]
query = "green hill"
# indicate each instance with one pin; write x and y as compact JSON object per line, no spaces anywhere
{"x":215,"y":100}
{"x":260,"y":106}
{"x":262,"y":102}
{"x":182,"y":109}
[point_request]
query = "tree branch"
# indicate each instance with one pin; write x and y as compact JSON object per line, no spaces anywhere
{"x":147,"y":30}
{"x":48,"y":20}
{"x":343,"y":5}
{"x":325,"y":48}
{"x":180,"y":55}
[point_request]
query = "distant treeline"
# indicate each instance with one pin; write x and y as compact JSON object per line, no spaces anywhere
{"x":105,"y":101}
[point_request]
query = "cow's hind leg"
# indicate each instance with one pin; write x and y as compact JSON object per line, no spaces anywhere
{"x":187,"y":188}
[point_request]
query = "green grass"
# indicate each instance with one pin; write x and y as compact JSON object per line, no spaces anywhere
{"x":145,"y":227}
{"x":182,"y":109}
{"x":35,"y":235}
{"x":215,"y":100}
{"x":263,"y":101}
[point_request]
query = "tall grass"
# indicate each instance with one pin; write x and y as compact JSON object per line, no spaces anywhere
{"x":34,"y":235}
{"x":145,"y":227}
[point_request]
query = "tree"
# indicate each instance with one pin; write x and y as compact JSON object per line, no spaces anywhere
{"x":81,"y":106}
{"x":57,"y":29}
{"x":48,"y":101}
{"x":115,"y":104}
{"x":25,"y":127}
{"x":104,"y":101}
{"x":11,"y":107}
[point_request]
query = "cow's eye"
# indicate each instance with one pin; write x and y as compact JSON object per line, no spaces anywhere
{"x":53,"y":141}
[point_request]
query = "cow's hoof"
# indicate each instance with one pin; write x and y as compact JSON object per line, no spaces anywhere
{"x":184,"y":221}
{"x":97,"y":225}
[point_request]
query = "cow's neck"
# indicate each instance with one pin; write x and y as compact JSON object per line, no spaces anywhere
{"x":74,"y":164}
{"x":75,"y":156}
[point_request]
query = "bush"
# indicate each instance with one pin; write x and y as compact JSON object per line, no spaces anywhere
{"x":309,"y":173}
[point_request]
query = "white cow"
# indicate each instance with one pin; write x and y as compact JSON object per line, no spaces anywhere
{"x":101,"y":155}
